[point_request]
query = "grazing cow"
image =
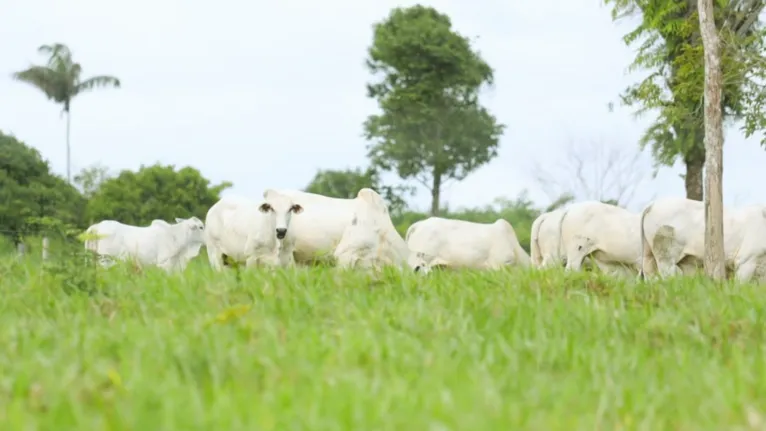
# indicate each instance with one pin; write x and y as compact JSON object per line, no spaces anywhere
{"x":319,"y":229}
{"x":250,"y":231}
{"x":371,"y":241}
{"x":168,"y":246}
{"x":464,"y":244}
{"x":545,"y":242}
{"x":673,"y":238}
{"x":607,"y":233}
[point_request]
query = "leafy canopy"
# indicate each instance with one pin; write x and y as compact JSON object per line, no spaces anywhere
{"x":29,"y":191}
{"x":154,"y":192}
{"x":669,"y":46}
{"x":431,"y":125}
{"x":60,"y":78}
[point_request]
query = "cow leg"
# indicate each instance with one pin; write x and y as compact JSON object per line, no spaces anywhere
{"x":668,"y":251}
{"x":576,"y":254}
{"x":215,"y":257}
{"x":746,"y":270}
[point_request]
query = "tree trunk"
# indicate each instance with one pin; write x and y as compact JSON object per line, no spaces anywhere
{"x":68,"y":150}
{"x":714,"y":252}
{"x":436,"y":193}
{"x":693,"y":179}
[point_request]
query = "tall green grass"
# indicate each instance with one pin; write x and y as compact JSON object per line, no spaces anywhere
{"x":321,"y":349}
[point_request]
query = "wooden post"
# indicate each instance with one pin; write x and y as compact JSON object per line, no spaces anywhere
{"x":46,"y":246}
{"x":20,"y":248}
{"x":714,"y":234}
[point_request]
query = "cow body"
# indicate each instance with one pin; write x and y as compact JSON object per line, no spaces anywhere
{"x":673,"y":238}
{"x":545,"y":241}
{"x":610,"y":235}
{"x":464,"y":244}
{"x":320,"y":228}
{"x":250,"y":231}
{"x":371,"y":241}
{"x":161,"y":244}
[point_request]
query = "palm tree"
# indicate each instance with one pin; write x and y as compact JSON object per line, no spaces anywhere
{"x":60,"y":81}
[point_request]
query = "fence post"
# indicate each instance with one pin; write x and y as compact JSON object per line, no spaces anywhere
{"x":20,"y":249}
{"x":46,"y":245}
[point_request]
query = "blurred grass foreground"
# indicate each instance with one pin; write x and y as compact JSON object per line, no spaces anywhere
{"x":317,"y":348}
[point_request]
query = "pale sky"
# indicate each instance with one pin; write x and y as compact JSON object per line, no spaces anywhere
{"x":265,"y":93}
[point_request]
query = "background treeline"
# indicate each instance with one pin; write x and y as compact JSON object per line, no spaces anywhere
{"x":35,"y":200}
{"x":430,"y":129}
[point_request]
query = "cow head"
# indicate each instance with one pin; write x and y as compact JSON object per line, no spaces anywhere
{"x":195,"y":228}
{"x":418,"y":263}
{"x":280,"y":207}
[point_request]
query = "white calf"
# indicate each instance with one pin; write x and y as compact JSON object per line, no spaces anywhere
{"x":168,"y":246}
{"x":464,"y":244}
{"x":371,"y":241}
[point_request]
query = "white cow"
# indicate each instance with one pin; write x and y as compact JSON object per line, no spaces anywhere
{"x":464,"y":244}
{"x":607,"y":233}
{"x":673,"y":238}
{"x":319,"y":229}
{"x":371,"y":241}
{"x":168,"y":246}
{"x":250,"y":231}
{"x":545,"y":241}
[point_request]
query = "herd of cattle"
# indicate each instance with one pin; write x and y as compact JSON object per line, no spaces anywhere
{"x":289,"y":226}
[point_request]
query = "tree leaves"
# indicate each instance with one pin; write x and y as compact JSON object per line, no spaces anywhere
{"x":28,"y":190}
{"x":154,"y":192}
{"x":60,"y":78}
{"x":431,"y":125}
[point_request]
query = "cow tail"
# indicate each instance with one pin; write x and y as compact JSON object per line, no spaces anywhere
{"x":534,"y":244}
{"x":644,"y":242}
{"x":561,"y":236}
{"x":409,"y":232}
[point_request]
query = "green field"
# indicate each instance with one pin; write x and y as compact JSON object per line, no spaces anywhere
{"x":324,"y":350}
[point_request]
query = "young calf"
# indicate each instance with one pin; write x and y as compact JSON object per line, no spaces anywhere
{"x":168,"y":246}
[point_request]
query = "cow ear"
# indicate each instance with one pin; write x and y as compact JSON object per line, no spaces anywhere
{"x":267,"y":192}
{"x":179,"y":220}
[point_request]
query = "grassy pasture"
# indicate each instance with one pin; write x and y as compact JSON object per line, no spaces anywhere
{"x":316,"y":348}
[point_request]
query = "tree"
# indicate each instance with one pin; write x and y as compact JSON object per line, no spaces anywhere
{"x":154,"y":192}
{"x":29,"y":192}
{"x":432,"y":127}
{"x":669,"y":46}
{"x":60,"y":81}
{"x":345,"y":184}
{"x":593,"y":170}
{"x":89,"y":179}
{"x":714,"y":251}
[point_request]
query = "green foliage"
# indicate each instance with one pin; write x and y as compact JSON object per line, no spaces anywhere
{"x":154,"y":192}
{"x":345,"y":184}
{"x":29,"y":191}
{"x":669,"y":46}
{"x":90,"y":178}
{"x":60,"y":79}
{"x":432,"y":127}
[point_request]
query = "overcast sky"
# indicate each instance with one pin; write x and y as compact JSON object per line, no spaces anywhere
{"x":265,"y":93}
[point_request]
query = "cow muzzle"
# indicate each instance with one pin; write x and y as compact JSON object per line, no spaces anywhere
{"x":281,"y":232}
